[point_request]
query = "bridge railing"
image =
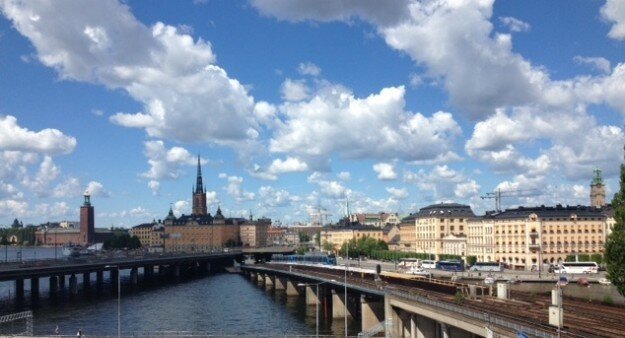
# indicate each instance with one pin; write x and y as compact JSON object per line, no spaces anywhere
{"x":482,"y":316}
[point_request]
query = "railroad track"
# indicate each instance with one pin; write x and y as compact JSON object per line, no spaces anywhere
{"x":581,"y":319}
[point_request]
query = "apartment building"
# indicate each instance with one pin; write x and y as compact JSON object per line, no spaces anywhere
{"x":434,"y":225}
{"x":337,"y":235}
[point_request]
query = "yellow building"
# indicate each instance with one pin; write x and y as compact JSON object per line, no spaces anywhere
{"x":480,"y":239}
{"x":523,"y":237}
{"x":338,"y":235}
{"x":254,"y":234}
{"x":436,"y":222}
{"x":407,"y":233}
{"x":149,"y":234}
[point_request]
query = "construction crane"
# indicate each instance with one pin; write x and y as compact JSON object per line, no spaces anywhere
{"x":319,"y":216}
{"x":499,"y":194}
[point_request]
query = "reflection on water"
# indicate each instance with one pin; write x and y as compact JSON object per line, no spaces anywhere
{"x":220,"y":304}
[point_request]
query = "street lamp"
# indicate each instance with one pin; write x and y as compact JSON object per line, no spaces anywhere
{"x":316,"y":303}
{"x":119,"y":297}
{"x":346,"y":268}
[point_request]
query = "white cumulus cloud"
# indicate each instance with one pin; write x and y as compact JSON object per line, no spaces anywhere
{"x":385,"y":171}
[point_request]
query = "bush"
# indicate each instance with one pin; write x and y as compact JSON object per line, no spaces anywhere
{"x":608,"y":300}
{"x":459,"y":297}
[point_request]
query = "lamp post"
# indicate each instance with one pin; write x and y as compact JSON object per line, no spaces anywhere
{"x":346,"y":268}
{"x":119,"y":297}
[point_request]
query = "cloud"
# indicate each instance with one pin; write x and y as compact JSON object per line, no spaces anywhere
{"x":272,"y":198}
{"x":613,"y":11}
{"x":308,"y":68}
{"x":396,"y":193}
{"x":164,"y":163}
{"x":185,"y":96}
{"x":47,"y":141}
{"x":514,"y":24}
{"x":599,"y":63}
{"x":13,"y":208}
{"x":291,"y":164}
{"x":385,"y":171}
{"x":336,"y":122}
{"x":344,"y":176}
{"x":380,"y":12}
{"x":294,"y":90}
{"x":48,"y":173}
{"x":233,"y":188}
{"x":8,"y":191}
{"x":71,"y":187}
{"x":444,"y":183}
{"x":181,"y":207}
{"x":467,"y":189}
{"x":96,"y":189}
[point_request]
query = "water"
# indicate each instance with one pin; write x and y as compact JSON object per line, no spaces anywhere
{"x":219,"y":304}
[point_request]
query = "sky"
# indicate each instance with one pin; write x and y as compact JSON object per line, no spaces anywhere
{"x":296,"y":107}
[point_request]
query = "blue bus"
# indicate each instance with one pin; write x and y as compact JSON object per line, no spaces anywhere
{"x":450,"y":265}
{"x":324,"y":259}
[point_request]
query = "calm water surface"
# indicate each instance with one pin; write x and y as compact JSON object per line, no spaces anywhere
{"x":222,"y":303}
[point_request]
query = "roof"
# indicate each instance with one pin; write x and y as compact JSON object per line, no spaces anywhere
{"x":446,"y":210}
{"x":144,"y":225}
{"x":549,"y":212}
{"x":387,"y":228}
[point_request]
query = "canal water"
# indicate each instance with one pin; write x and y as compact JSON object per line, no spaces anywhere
{"x":227,"y":304}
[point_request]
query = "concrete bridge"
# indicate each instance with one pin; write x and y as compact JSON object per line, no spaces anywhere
{"x":391,"y":308}
{"x":149,"y":265}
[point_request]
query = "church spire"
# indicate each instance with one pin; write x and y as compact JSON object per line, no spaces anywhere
{"x":199,"y":188}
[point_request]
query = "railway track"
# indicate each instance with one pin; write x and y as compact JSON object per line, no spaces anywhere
{"x":581,"y":319}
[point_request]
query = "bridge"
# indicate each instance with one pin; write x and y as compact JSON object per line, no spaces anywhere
{"x":146,"y":265}
{"x":407,"y":306}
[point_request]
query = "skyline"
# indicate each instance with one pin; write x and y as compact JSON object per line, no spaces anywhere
{"x":296,"y":106}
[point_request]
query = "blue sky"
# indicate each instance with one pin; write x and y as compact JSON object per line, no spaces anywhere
{"x":296,"y":106}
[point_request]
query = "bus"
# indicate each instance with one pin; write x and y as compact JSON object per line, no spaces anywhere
{"x":428,"y":264}
{"x":450,"y":265}
{"x":487,"y":266}
{"x":406,"y":264}
{"x":577,"y":267}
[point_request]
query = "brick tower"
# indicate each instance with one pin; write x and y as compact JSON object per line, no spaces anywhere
{"x":87,"y":224}
{"x":199,"y":194}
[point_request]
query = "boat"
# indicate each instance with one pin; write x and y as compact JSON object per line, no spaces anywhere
{"x":604,"y":281}
{"x":71,"y":250}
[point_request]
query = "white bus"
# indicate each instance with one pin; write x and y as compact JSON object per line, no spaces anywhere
{"x":487,"y":266}
{"x":428,"y":264}
{"x":577,"y":267}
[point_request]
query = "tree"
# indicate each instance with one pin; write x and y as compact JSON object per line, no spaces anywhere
{"x":615,"y":244}
{"x":471,"y":260}
{"x":327,"y":246}
{"x":303,"y":237}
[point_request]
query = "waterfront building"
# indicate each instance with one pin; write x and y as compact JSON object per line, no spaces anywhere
{"x":524,"y":236}
{"x":84,"y":235}
{"x":480,"y":239}
{"x":378,"y":220}
{"x":254,"y":234}
{"x":149,"y":234}
{"x":407,"y":233}
{"x":436,"y":222}
{"x":339,"y":234}
{"x":276,"y":236}
{"x":201,"y":231}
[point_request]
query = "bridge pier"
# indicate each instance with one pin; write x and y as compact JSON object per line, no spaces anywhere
{"x":86,"y":280}
{"x":279,"y":283}
{"x":253,"y":276}
{"x":176,"y":271}
{"x":148,"y":272}
{"x":62,"y":282}
{"x":99,"y":280}
{"x":54,"y":285}
{"x":312,"y":298}
{"x":339,"y":306}
{"x":372,"y":312}
{"x":260,"y":279}
{"x":73,"y":285}
{"x":291,"y":288}
{"x":19,"y":290}
{"x":268,"y":282}
{"x":134,"y":276}
{"x":113,"y":276}
{"x":34,"y":288}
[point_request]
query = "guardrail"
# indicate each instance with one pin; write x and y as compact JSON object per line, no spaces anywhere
{"x":482,"y":316}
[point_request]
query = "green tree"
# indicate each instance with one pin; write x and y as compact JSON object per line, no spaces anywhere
{"x":327,"y":246}
{"x":471,"y":260}
{"x":615,"y":244}
{"x":303,"y":237}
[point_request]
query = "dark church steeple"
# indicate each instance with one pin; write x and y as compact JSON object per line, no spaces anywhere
{"x":199,"y":187}
{"x":199,"y":195}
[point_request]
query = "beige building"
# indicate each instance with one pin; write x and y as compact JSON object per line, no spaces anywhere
{"x":149,"y":234}
{"x":454,"y":245}
{"x":340,"y":234}
{"x":438,"y":221}
{"x":480,"y":239}
{"x":523,"y":237}
{"x":377,"y":220}
{"x":407,"y":233}
{"x":254,"y":234}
